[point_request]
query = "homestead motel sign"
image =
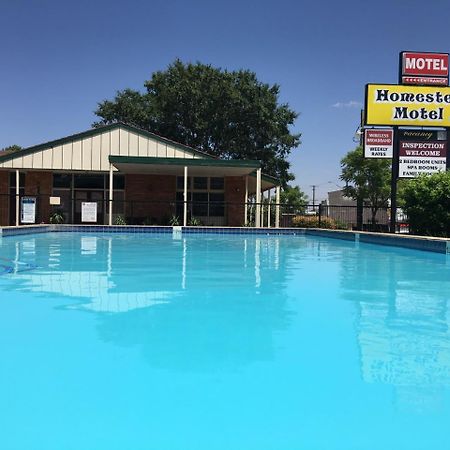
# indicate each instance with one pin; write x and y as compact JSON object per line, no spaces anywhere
{"x":417,"y":112}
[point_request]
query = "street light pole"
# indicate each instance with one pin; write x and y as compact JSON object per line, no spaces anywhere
{"x":314,"y":194}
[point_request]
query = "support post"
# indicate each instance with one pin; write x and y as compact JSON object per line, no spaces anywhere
{"x":185,"y":196}
{"x":258,"y":199}
{"x":246,"y":202}
{"x":277,"y":207}
{"x":262,"y":210}
{"x":111,"y":191}
{"x":395,"y":170}
{"x":17,"y":197}
{"x":268,"y":208}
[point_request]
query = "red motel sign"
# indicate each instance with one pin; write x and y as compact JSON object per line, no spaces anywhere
{"x":424,"y":68}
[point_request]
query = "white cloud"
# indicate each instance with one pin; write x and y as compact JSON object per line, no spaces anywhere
{"x":349,"y":104}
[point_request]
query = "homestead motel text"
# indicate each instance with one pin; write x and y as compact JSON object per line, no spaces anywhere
{"x":405,"y":112}
{"x":122,"y":170}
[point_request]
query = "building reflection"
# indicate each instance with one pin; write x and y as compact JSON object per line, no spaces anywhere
{"x":176,"y":318}
{"x":403,"y":322}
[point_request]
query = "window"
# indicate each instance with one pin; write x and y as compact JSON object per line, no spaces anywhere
{"x":216,"y":184}
{"x":118,"y":182}
{"x":200,"y":183}
{"x":62,"y":180}
{"x":216,"y":205}
{"x":89,"y":181}
{"x":202,"y":202}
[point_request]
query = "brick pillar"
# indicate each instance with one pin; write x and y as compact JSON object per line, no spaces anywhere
{"x":40,"y":184}
{"x":234,"y":199}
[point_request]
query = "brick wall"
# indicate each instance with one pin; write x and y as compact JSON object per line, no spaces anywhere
{"x":4,"y":198}
{"x":150,"y":198}
{"x":40,"y":184}
{"x":234,"y":198}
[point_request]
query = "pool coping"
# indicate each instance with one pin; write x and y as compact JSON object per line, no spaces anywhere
{"x":424,"y":243}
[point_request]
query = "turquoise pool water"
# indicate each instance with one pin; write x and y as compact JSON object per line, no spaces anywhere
{"x":218,"y":343}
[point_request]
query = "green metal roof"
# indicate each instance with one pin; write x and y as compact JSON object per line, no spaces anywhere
{"x":184,"y":161}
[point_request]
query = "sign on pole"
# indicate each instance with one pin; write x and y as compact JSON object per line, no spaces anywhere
{"x":424,"y":68}
{"x":423,"y":135}
{"x":28,"y":210}
{"x":420,"y":100}
{"x":89,"y":212}
{"x":414,"y":106}
{"x":378,"y":143}
{"x":417,"y":158}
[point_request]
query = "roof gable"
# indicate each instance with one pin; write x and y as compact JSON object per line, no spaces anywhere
{"x":90,"y":149}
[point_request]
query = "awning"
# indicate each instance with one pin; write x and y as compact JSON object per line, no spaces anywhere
{"x":197,"y":167}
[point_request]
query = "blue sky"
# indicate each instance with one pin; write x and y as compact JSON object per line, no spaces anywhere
{"x":59,"y":58}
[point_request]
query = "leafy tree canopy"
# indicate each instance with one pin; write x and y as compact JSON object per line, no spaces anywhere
{"x":11,"y":148}
{"x":426,"y":201}
{"x":226,"y":114}
{"x":367,"y":180}
{"x":294,"y":198}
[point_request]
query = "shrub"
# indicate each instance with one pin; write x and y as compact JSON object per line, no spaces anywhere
{"x":313,"y":222}
{"x":57,"y":217}
{"x":174,"y":221}
{"x":194,"y":222}
{"x":426,"y":201}
{"x":120,"y":220}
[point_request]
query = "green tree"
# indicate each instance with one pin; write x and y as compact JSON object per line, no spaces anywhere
{"x":227,"y":114}
{"x":293,"y":199}
{"x":426,"y":201}
{"x":11,"y":148}
{"x":367,"y":180}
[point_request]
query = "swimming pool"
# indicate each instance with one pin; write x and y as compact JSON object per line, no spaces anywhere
{"x":172,"y":342}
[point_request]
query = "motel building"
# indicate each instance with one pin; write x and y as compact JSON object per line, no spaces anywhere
{"x":119,"y":171}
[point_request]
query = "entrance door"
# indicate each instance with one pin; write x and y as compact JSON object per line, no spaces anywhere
{"x":89,"y":196}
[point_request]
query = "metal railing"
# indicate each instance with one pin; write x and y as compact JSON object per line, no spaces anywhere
{"x":148,"y":212}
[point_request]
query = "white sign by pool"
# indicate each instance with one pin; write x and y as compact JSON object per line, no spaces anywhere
{"x":89,"y":212}
{"x":417,"y":158}
{"x":28,"y":210}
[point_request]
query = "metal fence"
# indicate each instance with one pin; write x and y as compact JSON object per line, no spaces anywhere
{"x":220,"y":213}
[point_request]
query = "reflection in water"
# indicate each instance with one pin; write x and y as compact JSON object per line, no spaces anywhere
{"x":166,"y":292}
{"x":403,"y":322}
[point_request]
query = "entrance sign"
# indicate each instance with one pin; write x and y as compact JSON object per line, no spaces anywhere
{"x":417,"y":158}
{"x":89,"y":212}
{"x":435,"y":81}
{"x":28,"y":210}
{"x":378,"y":143}
{"x":415,"y":106}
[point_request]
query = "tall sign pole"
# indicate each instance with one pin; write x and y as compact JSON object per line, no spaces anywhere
{"x":420,"y":99}
{"x":394,"y":178}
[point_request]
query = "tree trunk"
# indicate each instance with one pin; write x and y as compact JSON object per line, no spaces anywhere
{"x":359,"y":213}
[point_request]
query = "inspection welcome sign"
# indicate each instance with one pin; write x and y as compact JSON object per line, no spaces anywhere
{"x":399,"y":105}
{"x":416,"y":158}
